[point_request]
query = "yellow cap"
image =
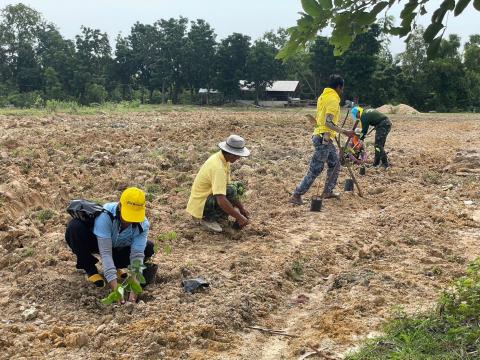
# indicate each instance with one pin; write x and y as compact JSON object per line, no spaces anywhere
{"x":133,"y":205}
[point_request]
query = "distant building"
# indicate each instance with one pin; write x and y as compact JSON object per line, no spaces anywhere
{"x":281,"y":90}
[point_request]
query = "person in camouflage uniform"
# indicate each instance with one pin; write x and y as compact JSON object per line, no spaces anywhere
{"x":382,"y":124}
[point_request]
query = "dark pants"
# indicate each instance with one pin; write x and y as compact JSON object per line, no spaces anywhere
{"x":324,"y":153}
{"x":83,"y":242}
{"x":381,"y":133}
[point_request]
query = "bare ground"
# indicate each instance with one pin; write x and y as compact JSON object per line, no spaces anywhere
{"x":330,"y":278}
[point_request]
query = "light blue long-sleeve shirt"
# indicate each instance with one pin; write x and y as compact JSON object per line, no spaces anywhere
{"x":109,"y":236}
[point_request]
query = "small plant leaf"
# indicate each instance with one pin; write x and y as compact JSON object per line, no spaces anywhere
{"x":311,"y":7}
{"x":431,"y":31}
{"x":141,"y":279}
{"x":136,"y":288}
{"x":167,"y":249}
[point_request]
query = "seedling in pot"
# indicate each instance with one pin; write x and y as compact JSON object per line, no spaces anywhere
{"x":132,"y":282}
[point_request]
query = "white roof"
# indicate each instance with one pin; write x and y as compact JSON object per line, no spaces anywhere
{"x":283,"y":85}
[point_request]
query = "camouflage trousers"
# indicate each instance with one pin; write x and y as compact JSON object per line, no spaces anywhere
{"x":381,"y":133}
{"x":213,"y":212}
{"x":324,"y":153}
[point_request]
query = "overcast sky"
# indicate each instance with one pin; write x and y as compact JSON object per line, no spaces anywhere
{"x":250,"y":17}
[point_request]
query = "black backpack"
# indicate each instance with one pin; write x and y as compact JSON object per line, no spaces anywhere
{"x":87,"y":211}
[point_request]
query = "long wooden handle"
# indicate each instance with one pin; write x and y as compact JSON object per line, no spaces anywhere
{"x":360,"y":193}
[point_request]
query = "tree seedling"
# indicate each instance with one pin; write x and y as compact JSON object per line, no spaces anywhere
{"x":167,"y":238}
{"x":132,"y":282}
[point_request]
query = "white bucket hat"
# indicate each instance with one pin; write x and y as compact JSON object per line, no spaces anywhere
{"x":235,"y":145}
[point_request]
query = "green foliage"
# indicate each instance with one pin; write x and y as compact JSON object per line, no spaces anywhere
{"x":450,"y":332}
{"x":261,"y":67}
{"x":166,"y":238}
{"x":44,"y":215}
{"x":169,"y":60}
{"x":352,"y":18}
{"x":132,"y":282}
{"x":27,"y":252}
{"x":231,"y":64}
{"x":95,"y":93}
{"x":26,"y":99}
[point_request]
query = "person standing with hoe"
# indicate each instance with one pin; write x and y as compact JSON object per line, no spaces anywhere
{"x":326,"y":128}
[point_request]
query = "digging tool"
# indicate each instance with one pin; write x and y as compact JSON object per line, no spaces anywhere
{"x":316,"y":203}
{"x":347,"y":164}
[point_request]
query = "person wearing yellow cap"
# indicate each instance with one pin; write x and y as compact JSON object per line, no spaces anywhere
{"x":119,"y":234}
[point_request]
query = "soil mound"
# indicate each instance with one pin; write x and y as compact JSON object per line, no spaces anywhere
{"x":401,"y":109}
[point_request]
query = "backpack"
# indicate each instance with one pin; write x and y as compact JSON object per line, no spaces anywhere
{"x":86,"y":211}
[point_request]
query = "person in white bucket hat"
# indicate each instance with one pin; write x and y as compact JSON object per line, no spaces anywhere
{"x":214,"y":196}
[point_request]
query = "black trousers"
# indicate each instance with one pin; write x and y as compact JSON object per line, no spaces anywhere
{"x":83,"y":242}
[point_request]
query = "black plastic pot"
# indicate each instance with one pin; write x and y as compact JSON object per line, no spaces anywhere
{"x":150,"y":273}
{"x":363,"y":170}
{"x":316,"y":204}
{"x":348,"y":185}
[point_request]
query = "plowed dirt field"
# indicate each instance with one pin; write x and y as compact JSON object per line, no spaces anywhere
{"x":329,"y":278}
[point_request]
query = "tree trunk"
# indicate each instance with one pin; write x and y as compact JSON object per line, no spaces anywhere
{"x":163,"y":92}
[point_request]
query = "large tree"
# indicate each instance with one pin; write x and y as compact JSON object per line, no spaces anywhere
{"x":93,"y":58}
{"x":170,"y":65}
{"x":200,"y":56}
{"x":231,"y":64}
{"x":349,"y":18}
{"x":19,"y":27}
{"x":261,"y":67}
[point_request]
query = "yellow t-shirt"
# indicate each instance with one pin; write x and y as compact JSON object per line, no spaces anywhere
{"x":212,"y":179}
{"x":328,"y":103}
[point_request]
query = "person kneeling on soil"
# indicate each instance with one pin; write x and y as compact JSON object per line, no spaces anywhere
{"x":119,"y":235}
{"x":213,"y":197}
{"x":382,"y":124}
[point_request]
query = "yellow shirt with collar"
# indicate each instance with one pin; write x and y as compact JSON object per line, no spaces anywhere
{"x":212,"y":179}
{"x":328,"y":103}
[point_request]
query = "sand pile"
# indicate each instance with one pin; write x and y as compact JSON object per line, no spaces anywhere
{"x":401,"y":109}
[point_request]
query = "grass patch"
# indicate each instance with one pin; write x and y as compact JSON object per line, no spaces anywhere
{"x":451,"y":331}
{"x":165,"y":239}
{"x":44,"y":215}
{"x":27,"y":252}
{"x":70,"y":107}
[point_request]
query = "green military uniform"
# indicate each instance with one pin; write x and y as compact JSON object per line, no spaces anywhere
{"x":382,"y":125}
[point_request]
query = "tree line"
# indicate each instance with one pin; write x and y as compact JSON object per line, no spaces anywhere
{"x":170,"y":60}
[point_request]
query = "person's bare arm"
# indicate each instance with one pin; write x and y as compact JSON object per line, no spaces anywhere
{"x":228,"y":207}
{"x":238,"y":204}
{"x":336,"y":128}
